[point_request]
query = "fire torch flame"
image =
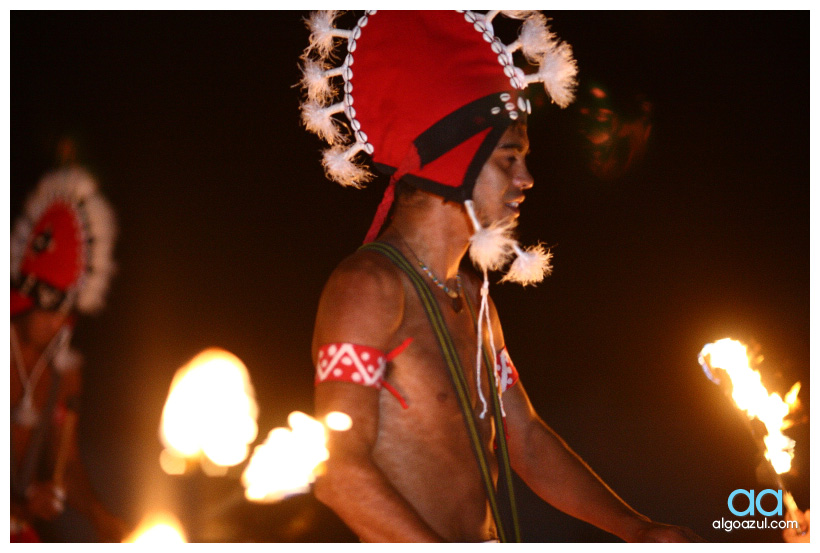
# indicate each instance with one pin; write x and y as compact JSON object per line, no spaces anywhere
{"x":158,"y":529}
{"x":289,"y":460}
{"x":751,"y":397}
{"x":210,"y":412}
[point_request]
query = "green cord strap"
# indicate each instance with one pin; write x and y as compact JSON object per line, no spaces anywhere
{"x":458,"y":378}
{"x":501,"y":430}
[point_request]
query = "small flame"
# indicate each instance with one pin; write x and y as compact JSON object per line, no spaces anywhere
{"x":211,"y":410}
{"x":791,"y":396}
{"x":290,"y":459}
{"x":751,"y":396}
{"x":158,"y":529}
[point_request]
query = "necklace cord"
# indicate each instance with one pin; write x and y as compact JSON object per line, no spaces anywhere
{"x":453,"y":294}
{"x":29,"y":381}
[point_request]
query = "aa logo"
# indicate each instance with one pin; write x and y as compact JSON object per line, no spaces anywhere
{"x":755,"y":502}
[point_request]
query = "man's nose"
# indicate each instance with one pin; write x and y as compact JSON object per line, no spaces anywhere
{"x":523,"y":179}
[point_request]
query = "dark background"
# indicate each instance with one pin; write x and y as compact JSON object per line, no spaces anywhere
{"x":229,"y":229}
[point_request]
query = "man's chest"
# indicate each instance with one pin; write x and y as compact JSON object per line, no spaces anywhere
{"x":440,"y":371}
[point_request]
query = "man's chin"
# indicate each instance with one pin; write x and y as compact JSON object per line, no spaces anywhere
{"x":508,"y":221}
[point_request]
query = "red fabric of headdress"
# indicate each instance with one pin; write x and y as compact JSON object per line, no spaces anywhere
{"x":413,"y":69}
{"x":54,"y":254}
{"x":427,"y":94}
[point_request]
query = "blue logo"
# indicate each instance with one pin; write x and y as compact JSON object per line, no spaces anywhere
{"x":755,"y":502}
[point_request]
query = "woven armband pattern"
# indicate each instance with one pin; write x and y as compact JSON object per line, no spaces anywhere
{"x":505,"y":373}
{"x":343,"y":362}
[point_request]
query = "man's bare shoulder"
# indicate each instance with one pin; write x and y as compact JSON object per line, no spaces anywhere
{"x":368,"y":273}
{"x":362,"y":302}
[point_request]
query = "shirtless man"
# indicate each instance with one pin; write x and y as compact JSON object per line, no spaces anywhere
{"x":61,"y":265}
{"x":407,"y":469}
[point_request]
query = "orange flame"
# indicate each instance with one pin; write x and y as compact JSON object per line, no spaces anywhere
{"x":291,"y":458}
{"x":158,"y":529}
{"x":751,"y":397}
{"x":210,"y":412}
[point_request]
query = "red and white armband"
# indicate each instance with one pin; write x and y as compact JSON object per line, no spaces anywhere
{"x":351,"y":363}
{"x":363,"y":365}
{"x":505,"y":373}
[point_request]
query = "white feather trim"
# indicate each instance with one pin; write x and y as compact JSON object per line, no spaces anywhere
{"x":340,"y":167}
{"x":530,"y":266}
{"x":103,"y":230}
{"x":558,"y":72}
{"x":519,"y":14}
{"x":489,"y":16}
{"x":19,"y":238}
{"x":319,"y":119}
{"x":315,"y":80}
{"x":536,"y":39}
{"x":322,"y":31}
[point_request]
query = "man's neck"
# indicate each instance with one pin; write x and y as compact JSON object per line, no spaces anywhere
{"x":434,"y":231}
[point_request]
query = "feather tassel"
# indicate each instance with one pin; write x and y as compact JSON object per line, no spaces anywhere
{"x":101,"y":267}
{"x":519,"y":14}
{"x":315,"y":79}
{"x":323,"y":32}
{"x":535,"y":38}
{"x":340,"y":167}
{"x":490,"y":247}
{"x":558,"y":72}
{"x":530,"y":266}
{"x":319,"y":119}
{"x":562,"y":70}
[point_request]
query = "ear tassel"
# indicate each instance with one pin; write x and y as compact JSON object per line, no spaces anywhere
{"x":66,"y":358}
{"x":490,"y":247}
{"x":530,"y":265}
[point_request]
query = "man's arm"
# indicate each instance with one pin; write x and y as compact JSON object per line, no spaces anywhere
{"x":560,"y":477}
{"x":362,"y":304}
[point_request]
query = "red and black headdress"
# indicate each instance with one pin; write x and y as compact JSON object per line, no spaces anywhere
{"x":427,"y":95}
{"x":61,"y":247}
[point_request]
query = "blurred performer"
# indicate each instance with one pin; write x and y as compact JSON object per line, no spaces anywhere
{"x":616,"y":131}
{"x":61,"y":264}
{"x":407,"y":341}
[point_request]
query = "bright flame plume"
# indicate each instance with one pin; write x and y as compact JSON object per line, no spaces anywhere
{"x":291,"y":458}
{"x":158,"y":529}
{"x":752,"y":398}
{"x":211,"y":411}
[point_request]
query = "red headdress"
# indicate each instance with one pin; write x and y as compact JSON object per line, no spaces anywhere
{"x":61,"y":247}
{"x":427,"y":94}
